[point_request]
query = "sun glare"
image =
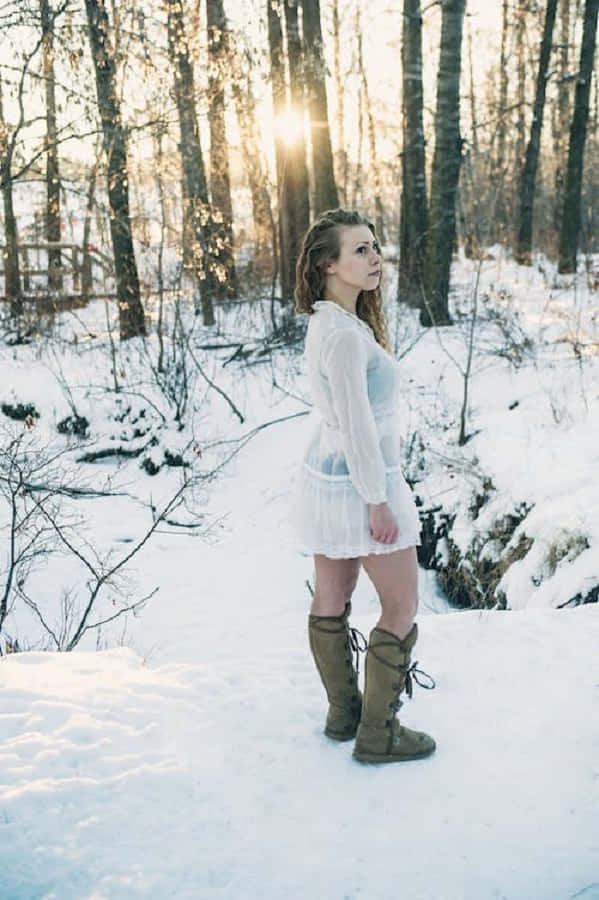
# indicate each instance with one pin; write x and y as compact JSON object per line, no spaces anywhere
{"x":288,"y":126}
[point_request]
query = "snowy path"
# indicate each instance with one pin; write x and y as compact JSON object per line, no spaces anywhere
{"x":205,"y":774}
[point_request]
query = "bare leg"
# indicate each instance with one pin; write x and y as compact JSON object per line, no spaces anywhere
{"x":395,"y":577}
{"x":335,"y":583}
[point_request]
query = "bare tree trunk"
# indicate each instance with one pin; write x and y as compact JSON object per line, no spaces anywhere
{"x":340,"y":97}
{"x":472,"y":95}
{"x":595,"y":117}
{"x":220,"y":179}
{"x":571,"y":218}
{"x":87,"y":281}
{"x":527,"y":184}
{"x":298,"y":195}
{"x":414,"y":217}
{"x":499,"y":165}
{"x":255,"y":167}
{"x":52,"y":172}
{"x":503,"y":89}
{"x":521,"y":118}
{"x":561,"y":112}
{"x":158,"y":137}
{"x":445,"y":171}
{"x":12,"y":275}
{"x":279,"y":101}
{"x":205,"y":257}
{"x":131,"y":314}
{"x":325,"y":189}
{"x":374,"y":164}
{"x":358,"y":191}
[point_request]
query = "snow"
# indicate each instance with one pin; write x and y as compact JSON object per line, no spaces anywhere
{"x":204,"y":772}
{"x":189,"y":762}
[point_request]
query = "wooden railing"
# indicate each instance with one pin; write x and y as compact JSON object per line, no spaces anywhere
{"x":79,"y":265}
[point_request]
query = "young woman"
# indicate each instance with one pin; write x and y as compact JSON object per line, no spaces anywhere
{"x":353,"y":505}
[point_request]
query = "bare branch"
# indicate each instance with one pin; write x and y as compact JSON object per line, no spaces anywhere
{"x":131,"y":608}
{"x":33,"y":606}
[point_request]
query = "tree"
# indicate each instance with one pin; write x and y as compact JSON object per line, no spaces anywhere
{"x":561,"y":110}
{"x":499,"y":163}
{"x":53,"y":234}
{"x":298,"y":193}
{"x":220,"y":179}
{"x":527,"y":182}
{"x":519,"y":37}
{"x":569,"y":235}
{"x":290,"y":149}
{"x":254,"y":165}
{"x":342,"y":166}
{"x":325,"y":189}
{"x":279,"y":103}
{"x":131,"y":314}
{"x":413,"y":213}
{"x":373,"y":158}
{"x":201,"y":226}
{"x":445,"y":170}
{"x":12,"y":275}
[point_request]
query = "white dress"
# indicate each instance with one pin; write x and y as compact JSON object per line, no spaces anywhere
{"x":353,"y":455}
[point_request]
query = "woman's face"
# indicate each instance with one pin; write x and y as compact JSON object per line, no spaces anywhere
{"x":359,"y":263}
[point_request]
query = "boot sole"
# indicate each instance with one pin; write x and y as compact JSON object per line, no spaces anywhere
{"x":340,"y":736}
{"x":383,"y":758}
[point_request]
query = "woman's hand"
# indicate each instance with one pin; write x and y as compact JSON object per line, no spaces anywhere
{"x":383,"y":525}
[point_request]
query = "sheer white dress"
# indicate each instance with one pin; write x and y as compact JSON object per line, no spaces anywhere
{"x":353,"y":455}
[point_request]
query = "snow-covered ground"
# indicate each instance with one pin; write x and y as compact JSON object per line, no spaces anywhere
{"x":190,"y":763}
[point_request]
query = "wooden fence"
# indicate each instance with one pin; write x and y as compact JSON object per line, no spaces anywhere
{"x":85,"y":269}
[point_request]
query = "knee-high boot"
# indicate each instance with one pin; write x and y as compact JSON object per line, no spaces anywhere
{"x":331,"y":643}
{"x":380,"y":737}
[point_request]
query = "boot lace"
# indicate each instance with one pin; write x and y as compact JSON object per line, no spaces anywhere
{"x":358,"y":644}
{"x":411,"y":676}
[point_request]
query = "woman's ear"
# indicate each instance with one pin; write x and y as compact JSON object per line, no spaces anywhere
{"x":329,"y":268}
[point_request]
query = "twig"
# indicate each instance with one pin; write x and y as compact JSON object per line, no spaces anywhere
{"x":211,"y":383}
{"x":32,"y":605}
{"x":125,"y":609}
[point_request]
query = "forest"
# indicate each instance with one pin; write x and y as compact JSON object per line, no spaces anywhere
{"x":160,"y":163}
{"x":174,"y":145}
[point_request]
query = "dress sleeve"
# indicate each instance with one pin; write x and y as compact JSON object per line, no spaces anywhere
{"x":344,"y":361}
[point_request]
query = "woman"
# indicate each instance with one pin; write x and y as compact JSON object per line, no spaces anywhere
{"x":353,"y":505}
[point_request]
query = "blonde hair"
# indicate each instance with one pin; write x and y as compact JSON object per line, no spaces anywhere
{"x":320,"y":245}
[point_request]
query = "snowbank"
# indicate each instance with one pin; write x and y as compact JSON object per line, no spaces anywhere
{"x":514,"y":512}
{"x":214,"y":779}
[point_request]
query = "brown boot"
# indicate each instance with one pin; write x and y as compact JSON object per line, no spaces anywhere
{"x":331,"y":643}
{"x":380,"y":737}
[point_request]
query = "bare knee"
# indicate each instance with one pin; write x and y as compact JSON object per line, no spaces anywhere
{"x":333,"y":594}
{"x":335,"y":584}
{"x":395,"y":578}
